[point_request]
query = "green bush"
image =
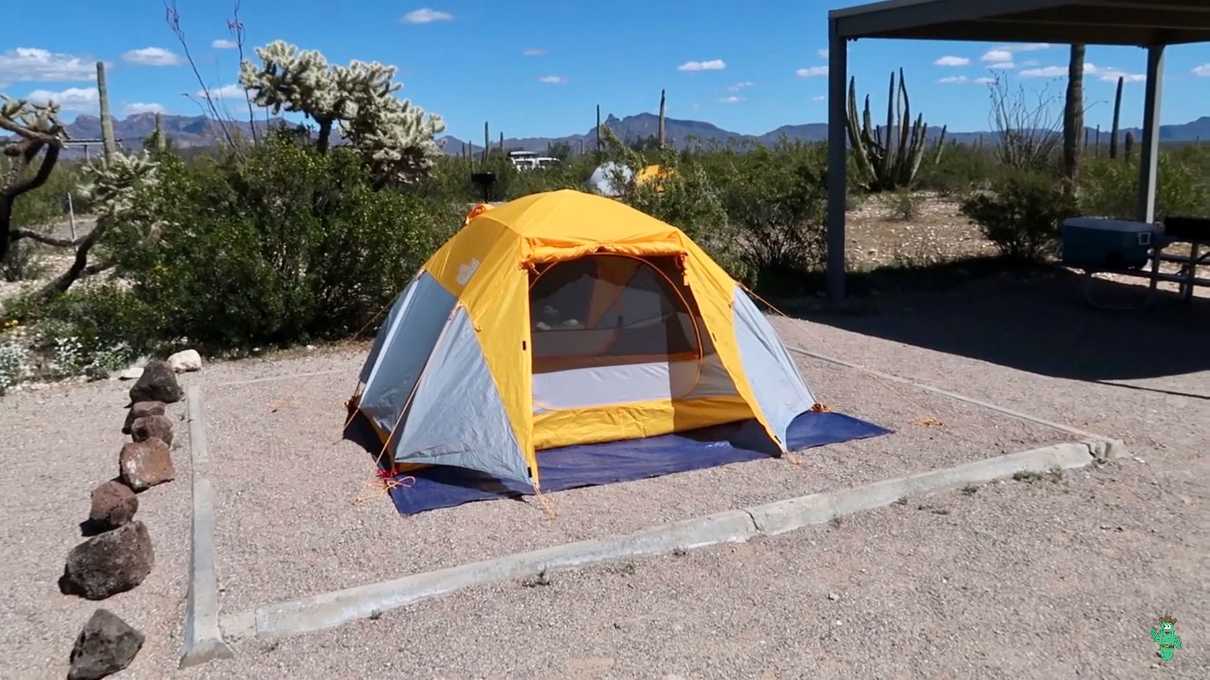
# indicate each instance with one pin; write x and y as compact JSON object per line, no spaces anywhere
{"x":902,"y":205}
{"x":101,"y":316}
{"x":962,"y":167}
{"x":1109,"y":187}
{"x":1021,"y":214}
{"x":283,"y":245}
{"x":776,"y":200}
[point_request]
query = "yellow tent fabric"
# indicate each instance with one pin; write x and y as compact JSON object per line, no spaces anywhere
{"x":486,"y":267}
{"x":654,"y":173}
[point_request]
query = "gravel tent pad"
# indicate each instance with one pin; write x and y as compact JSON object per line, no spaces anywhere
{"x":1018,"y":580}
{"x":293,"y":518}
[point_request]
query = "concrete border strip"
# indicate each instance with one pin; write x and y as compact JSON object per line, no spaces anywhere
{"x":1110,"y":448}
{"x":203,"y":637}
{"x":331,"y":609}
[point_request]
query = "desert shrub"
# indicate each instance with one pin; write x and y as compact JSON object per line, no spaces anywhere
{"x":13,"y":368}
{"x":1021,"y":214}
{"x":776,"y":202}
{"x":23,"y":262}
{"x":961,"y":168}
{"x":101,"y":316}
{"x":686,"y":198}
{"x":282,"y":245}
{"x":1109,"y":187}
{"x":451,"y":178}
{"x":902,"y":205}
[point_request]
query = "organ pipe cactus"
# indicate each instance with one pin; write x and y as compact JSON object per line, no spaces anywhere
{"x":887,"y":158}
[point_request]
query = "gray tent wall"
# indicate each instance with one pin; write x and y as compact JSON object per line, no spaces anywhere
{"x":402,"y":348}
{"x":780,"y":390}
{"x":428,"y":386}
{"x":456,"y":416}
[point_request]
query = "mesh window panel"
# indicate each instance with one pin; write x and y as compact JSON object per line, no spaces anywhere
{"x":610,"y":310}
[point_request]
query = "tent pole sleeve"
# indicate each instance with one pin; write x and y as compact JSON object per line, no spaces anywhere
{"x":1149,"y":158}
{"x":837,"y":75}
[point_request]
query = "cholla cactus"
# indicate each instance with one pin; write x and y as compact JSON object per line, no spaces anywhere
{"x":32,"y":118}
{"x":395,"y":137}
{"x":114,"y":187}
{"x":38,"y":128}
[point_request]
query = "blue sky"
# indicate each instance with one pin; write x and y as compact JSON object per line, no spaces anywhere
{"x":539,"y":68}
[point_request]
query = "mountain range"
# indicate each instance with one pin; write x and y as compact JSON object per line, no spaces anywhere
{"x":683,"y":134}
{"x":190,"y":132}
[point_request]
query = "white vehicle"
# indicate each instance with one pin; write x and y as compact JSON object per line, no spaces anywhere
{"x":530,"y":160}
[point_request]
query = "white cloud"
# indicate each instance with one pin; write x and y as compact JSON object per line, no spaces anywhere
{"x":1045,"y":72}
{"x":1202,"y":70}
{"x":742,"y":85}
{"x":426,"y":15}
{"x":533,"y":52}
{"x":151,"y":56}
{"x":733,"y":99}
{"x":83,"y":99}
{"x":823,"y":53}
{"x":708,"y":65}
{"x":232,"y":91}
{"x":31,"y":64}
{"x":223,"y":44}
{"x":1106,"y":74}
{"x":135,"y":108}
{"x":1004,"y":53}
{"x":963,"y":80}
{"x":950,"y":60}
{"x":1002,"y":65}
{"x":1112,"y":75}
{"x":820,"y":98}
{"x":998,"y":55}
{"x":553,"y":80}
{"x":811,"y":71}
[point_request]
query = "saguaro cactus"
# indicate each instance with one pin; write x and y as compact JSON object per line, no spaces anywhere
{"x":111,"y":145}
{"x":1073,"y":114}
{"x":662,"y":139}
{"x":1117,"y":112}
{"x":891,"y":161}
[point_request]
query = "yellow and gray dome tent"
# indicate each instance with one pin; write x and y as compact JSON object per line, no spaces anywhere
{"x":564,"y":318}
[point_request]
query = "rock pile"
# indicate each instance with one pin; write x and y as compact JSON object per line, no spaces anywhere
{"x":120,"y":555}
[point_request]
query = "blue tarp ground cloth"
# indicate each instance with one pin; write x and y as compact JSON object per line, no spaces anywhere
{"x":570,"y":467}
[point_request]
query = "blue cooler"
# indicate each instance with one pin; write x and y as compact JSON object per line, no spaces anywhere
{"x":1099,"y":243}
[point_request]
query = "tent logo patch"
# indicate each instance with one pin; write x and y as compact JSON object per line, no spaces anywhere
{"x":466,"y":271}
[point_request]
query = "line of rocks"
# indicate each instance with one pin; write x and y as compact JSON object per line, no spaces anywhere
{"x":118,"y":554}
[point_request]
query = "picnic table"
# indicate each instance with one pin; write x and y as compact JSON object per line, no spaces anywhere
{"x":1174,"y":231}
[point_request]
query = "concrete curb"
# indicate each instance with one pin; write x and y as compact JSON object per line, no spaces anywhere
{"x":1110,"y":447}
{"x":203,"y":638}
{"x":331,"y":609}
{"x":794,"y":513}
